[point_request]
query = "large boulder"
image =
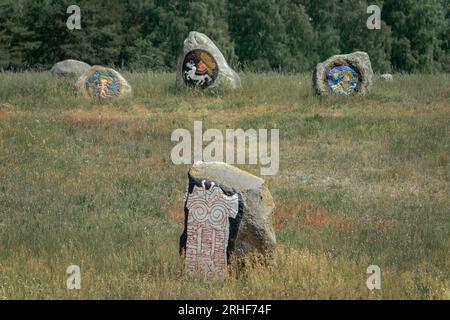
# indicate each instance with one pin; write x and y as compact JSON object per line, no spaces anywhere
{"x":345,"y":74}
{"x":69,"y":68}
{"x":101,"y":82}
{"x":227,"y":212}
{"x":201,"y":64}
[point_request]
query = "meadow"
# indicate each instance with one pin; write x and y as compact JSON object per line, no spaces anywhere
{"x":362,"y":181}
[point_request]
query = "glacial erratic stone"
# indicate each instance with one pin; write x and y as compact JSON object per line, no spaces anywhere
{"x":346,"y":74}
{"x":227,"y":212}
{"x":201,"y":64}
{"x":101,"y":82}
{"x":69,"y":68}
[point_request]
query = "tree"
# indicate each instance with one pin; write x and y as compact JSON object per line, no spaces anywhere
{"x":15,"y":38}
{"x":418,"y":29}
{"x":263,"y":35}
{"x":325,"y":18}
{"x":355,"y":36}
{"x":45,"y":23}
{"x":210,"y":18}
{"x":272,"y":35}
{"x":258,"y":31}
{"x":301,"y":38}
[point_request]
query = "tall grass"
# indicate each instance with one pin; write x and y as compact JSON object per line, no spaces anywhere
{"x":362,"y":181}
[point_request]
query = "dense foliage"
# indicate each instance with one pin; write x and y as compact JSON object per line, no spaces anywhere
{"x":262,"y":35}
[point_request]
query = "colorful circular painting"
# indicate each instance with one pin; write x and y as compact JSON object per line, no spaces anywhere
{"x":343,"y":80}
{"x":199,"y":68}
{"x":103,"y":83}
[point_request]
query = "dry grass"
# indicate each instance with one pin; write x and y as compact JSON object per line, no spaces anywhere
{"x":362,"y":181}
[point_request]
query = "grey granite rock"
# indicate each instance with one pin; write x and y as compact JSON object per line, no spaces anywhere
{"x":69,"y":68}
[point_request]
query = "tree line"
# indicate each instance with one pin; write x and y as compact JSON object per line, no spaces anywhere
{"x":256,"y":35}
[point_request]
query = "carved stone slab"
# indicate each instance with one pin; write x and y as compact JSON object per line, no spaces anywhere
{"x":207,"y":234}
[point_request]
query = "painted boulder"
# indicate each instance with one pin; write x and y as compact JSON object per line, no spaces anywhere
{"x":227,"y":212}
{"x":101,"y":82}
{"x":201,"y":64}
{"x":69,"y":68}
{"x":348,"y":74}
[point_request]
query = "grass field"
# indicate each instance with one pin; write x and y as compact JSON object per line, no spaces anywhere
{"x":362,"y":181}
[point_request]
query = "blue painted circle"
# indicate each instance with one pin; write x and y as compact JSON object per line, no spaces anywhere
{"x":343,"y":80}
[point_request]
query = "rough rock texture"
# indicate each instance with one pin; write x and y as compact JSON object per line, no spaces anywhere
{"x":255,"y":233}
{"x":69,"y":68}
{"x":101,"y":82}
{"x":226,"y":78}
{"x":386,"y":77}
{"x":360,"y":61}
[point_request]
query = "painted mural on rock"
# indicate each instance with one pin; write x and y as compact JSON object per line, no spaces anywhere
{"x":212,"y":217}
{"x":103,"y":84}
{"x":344,"y":74}
{"x":343,"y":80}
{"x":200,"y":69}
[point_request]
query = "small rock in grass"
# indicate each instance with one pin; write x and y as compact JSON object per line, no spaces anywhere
{"x":386,"y":77}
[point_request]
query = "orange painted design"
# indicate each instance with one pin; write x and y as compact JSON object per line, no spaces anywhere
{"x":201,"y":67}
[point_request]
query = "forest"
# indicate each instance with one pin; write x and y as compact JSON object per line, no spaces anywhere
{"x":287,"y":36}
